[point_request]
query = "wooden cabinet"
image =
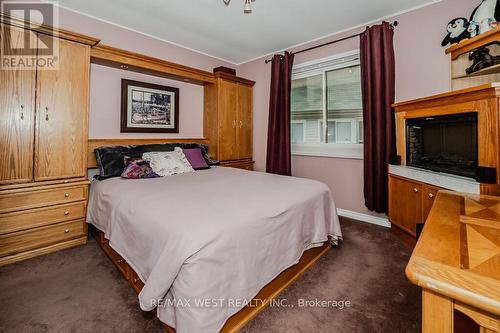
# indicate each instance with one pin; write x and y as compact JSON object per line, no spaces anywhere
{"x":228,"y":120}
{"x":17,"y":117}
{"x":43,"y":149}
{"x":428,"y":197}
{"x":409,"y":202}
{"x":62,"y":99}
{"x":405,"y":204}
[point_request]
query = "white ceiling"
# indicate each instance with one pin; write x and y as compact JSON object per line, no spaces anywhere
{"x":210,"y":27}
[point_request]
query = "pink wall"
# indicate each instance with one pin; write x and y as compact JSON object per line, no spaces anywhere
{"x":422,"y":69}
{"x":104,"y":117}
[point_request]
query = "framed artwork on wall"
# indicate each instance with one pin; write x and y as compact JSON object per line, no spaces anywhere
{"x":149,"y":108}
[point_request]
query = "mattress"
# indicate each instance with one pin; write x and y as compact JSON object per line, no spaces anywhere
{"x":205,"y":243}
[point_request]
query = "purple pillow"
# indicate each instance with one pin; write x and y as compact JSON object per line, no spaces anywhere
{"x":136,"y":168}
{"x":195,"y":158}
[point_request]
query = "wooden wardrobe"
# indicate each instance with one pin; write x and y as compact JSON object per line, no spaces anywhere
{"x":43,"y":148}
{"x":228,"y":120}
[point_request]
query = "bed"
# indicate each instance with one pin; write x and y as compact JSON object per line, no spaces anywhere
{"x":202,"y":245}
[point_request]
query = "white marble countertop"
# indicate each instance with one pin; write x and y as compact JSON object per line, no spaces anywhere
{"x":439,"y":179}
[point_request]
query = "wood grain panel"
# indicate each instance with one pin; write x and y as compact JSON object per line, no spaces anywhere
{"x":34,"y":218}
{"x":10,"y":202}
{"x":428,"y":197}
{"x":437,"y":313}
{"x":17,"y":114}
{"x":228,"y":116}
{"x":63,"y":94}
{"x":30,"y":239}
{"x":405,"y":203}
{"x":113,"y":57}
{"x":96,"y":143}
{"x":245,"y":121}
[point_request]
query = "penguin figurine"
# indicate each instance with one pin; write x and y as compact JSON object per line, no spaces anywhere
{"x":473,"y":29}
{"x":457,"y":31}
{"x":488,"y":11}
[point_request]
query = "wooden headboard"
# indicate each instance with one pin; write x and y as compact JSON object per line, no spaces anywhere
{"x":95,"y":143}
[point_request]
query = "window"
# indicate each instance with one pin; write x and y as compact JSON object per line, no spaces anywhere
{"x":327,"y":113}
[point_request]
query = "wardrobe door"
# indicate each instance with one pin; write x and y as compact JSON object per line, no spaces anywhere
{"x":245,"y":121}
{"x":62,"y":99}
{"x":17,"y":94}
{"x":228,"y":117}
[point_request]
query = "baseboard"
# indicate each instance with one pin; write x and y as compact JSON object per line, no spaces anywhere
{"x":384,"y":222}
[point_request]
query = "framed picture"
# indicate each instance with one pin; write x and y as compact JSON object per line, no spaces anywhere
{"x":149,"y":108}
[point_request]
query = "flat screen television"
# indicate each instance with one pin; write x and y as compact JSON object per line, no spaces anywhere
{"x":443,"y":143}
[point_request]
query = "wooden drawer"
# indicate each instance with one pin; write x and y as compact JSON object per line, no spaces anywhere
{"x":11,"y":202}
{"x":30,"y":239}
{"x":119,"y":262}
{"x":39,"y":217}
{"x":242,"y":164}
{"x":136,"y":282}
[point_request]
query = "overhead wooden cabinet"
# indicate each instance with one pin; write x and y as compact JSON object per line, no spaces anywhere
{"x":228,"y":120}
{"x":43,"y":140}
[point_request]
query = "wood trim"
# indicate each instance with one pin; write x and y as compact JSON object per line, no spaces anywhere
{"x":226,"y":76}
{"x":95,"y":143}
{"x":118,"y":58}
{"x":490,"y":90}
{"x":266,"y":294}
{"x":43,"y":250}
{"x":468,"y":45}
{"x":48,"y":30}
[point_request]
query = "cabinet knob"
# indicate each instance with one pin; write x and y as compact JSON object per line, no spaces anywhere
{"x":46,"y":113}
{"x":241,"y":124}
{"x":234,"y":123}
{"x":66,"y":231}
{"x":119,"y":261}
{"x":66,"y":212}
{"x":66,"y":195}
{"x":431,"y":195}
{"x":136,"y":279}
{"x":22,"y":112}
{"x":415,"y":190}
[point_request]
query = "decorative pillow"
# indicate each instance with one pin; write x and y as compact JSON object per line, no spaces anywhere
{"x":110,"y":158}
{"x":168,"y":163}
{"x":195,"y":158}
{"x":137,"y":168}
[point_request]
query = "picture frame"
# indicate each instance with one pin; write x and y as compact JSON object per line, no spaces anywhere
{"x":149,"y":108}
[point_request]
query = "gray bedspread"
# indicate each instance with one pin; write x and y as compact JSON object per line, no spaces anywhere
{"x":206,"y":242}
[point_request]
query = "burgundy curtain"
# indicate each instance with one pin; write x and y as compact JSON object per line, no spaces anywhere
{"x":378,"y":86}
{"x":278,"y":134}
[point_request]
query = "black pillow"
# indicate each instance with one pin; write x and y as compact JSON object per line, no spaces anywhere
{"x":110,"y":158}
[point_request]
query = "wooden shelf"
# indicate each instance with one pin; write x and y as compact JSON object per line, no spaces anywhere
{"x":113,"y":57}
{"x":486,"y":71}
{"x":468,"y":45}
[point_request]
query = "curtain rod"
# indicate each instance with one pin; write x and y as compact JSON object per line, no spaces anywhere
{"x":393,"y":25}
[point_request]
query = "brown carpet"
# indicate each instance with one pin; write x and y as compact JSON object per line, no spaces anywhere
{"x":79,"y":290}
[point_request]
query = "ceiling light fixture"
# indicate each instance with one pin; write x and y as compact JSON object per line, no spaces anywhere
{"x":248,"y":5}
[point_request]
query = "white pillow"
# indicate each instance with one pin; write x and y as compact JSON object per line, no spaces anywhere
{"x":168,"y":163}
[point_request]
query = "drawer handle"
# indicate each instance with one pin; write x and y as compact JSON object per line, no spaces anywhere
{"x":119,"y":261}
{"x":66,"y":195}
{"x":415,"y":190}
{"x":66,"y":212}
{"x":136,"y":280}
{"x":66,"y":231}
{"x":431,"y":195}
